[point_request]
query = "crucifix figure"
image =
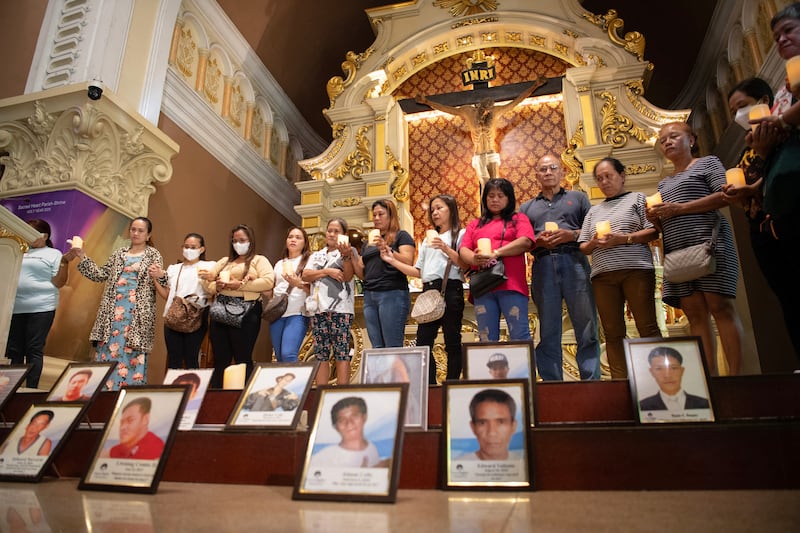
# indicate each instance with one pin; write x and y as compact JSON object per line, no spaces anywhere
{"x":481,"y":120}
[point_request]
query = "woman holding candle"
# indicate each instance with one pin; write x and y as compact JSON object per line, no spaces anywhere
{"x":441,"y":246}
{"x":288,"y":331}
{"x":386,"y":297}
{"x":691,"y":198}
{"x":622,"y":263}
{"x":125,"y":326}
{"x":183,"y":348}
{"x":511,"y":237}
{"x":330,"y":272}
{"x":243,"y":275}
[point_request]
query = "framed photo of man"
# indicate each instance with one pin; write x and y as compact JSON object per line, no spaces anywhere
{"x":80,"y":382}
{"x":36,"y":439}
{"x":132,"y":451}
{"x":197,"y":379}
{"x":401,"y":365}
{"x":669,"y":380}
{"x":10,"y":379}
{"x":274,"y":397}
{"x":354,"y":448}
{"x":486,"y":434}
{"x":507,"y":360}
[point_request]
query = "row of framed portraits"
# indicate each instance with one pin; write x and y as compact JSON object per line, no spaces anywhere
{"x":356,"y":437}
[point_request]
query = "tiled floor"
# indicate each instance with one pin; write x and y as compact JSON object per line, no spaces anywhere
{"x":58,"y":505}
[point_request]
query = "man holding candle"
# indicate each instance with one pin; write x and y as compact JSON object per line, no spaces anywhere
{"x":560,"y":273}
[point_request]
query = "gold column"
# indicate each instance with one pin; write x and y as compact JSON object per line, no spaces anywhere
{"x":267,"y":139}
{"x":248,"y":120}
{"x":226,"y":97}
{"x":176,"y":37}
{"x":202,"y":63}
{"x":755,"y":52}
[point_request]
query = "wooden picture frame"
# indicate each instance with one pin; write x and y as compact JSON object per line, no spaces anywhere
{"x":260,"y":408}
{"x":80,"y":382}
{"x":332,"y":471}
{"x":502,"y":360}
{"x":53,"y":421}
{"x":662,"y":392}
{"x":401,"y":365}
{"x":471,"y":457}
{"x":11,"y":377}
{"x":121,"y":462}
{"x":198,"y":380}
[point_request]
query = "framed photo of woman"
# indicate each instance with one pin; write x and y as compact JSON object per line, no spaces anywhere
{"x":401,"y":365}
{"x":135,"y":444}
{"x":669,"y":380}
{"x":486,"y":434}
{"x":36,"y":439}
{"x":274,"y":397}
{"x":353,"y":451}
{"x":197,"y":379}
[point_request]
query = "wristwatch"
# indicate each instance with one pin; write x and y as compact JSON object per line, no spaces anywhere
{"x":630,"y":238}
{"x":576,"y":234}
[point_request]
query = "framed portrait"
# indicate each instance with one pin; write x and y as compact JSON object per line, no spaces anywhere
{"x":10,"y":379}
{"x":669,"y":380}
{"x":353,"y":451}
{"x":80,"y":382}
{"x":36,"y":439}
{"x":507,"y":360}
{"x":486,"y":434}
{"x":401,"y":365}
{"x":274,"y":397}
{"x":135,"y":444}
{"x":197,"y":379}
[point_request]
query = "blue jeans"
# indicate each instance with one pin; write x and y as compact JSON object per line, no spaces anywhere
{"x":26,"y":337}
{"x":565,"y":277}
{"x":385,"y":313}
{"x":287,"y":335}
{"x":514,"y":307}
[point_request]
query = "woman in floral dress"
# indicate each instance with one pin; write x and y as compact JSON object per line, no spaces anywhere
{"x":125,"y":326}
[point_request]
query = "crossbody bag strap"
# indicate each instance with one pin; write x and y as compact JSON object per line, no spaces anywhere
{"x":446,"y":275}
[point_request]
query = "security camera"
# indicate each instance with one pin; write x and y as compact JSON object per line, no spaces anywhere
{"x":95,"y":89}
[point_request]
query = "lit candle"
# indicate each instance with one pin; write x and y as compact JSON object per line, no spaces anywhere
{"x":603,"y":228}
{"x":430,"y":235}
{"x":485,"y":246}
{"x":758,"y":111}
{"x":654,"y":199}
{"x":550,"y":226}
{"x":288,"y":268}
{"x":735,"y":176}
{"x":374,"y":235}
{"x":234,"y":377}
{"x":225,"y":276}
{"x":343,"y":239}
{"x":76,"y":242}
{"x":793,"y":72}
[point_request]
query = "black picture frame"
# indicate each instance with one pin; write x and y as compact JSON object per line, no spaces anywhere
{"x":11,"y":377}
{"x":331,"y":472}
{"x":97,"y":375}
{"x":378,"y":366}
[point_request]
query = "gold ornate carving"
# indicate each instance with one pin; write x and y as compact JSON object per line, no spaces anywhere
{"x":615,"y":129}
{"x":419,"y":59}
{"x":258,"y":130}
{"x":473,"y":21}
{"x":23,"y":244}
{"x":458,"y":8}
{"x":359,"y":160}
{"x":632,"y":170}
{"x":337,"y":84}
{"x":589,"y":59}
{"x":570,"y":33}
{"x":400,"y":183}
{"x":314,"y":167}
{"x":82,"y":148}
{"x":633,"y":42}
{"x":186,"y":53}
{"x":347,"y":202}
{"x":465,"y":40}
{"x":479,"y":56}
{"x":441,"y":48}
{"x":538,"y":40}
{"x":489,"y":37}
{"x":514,"y":36}
{"x":237,"y":106}
{"x":634,"y":90}
{"x":213,"y":80}
{"x":561,"y":48}
{"x":570,"y":160}
{"x":399,"y":73}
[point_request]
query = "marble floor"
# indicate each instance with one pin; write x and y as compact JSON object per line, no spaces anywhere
{"x":58,"y":505}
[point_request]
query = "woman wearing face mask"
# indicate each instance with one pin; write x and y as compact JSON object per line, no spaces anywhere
{"x":183,"y":348}
{"x":243,"y":274}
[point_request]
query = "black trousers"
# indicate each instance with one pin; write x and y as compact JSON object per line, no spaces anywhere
{"x":183,"y":349}
{"x":451,"y":329}
{"x":230,"y":343}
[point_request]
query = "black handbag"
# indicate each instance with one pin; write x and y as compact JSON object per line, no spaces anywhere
{"x":230,"y":310}
{"x":483,"y":281}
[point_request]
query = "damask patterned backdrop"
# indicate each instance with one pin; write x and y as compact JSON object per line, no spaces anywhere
{"x":440,"y":148}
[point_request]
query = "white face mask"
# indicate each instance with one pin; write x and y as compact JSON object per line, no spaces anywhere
{"x":191,"y":253}
{"x":742,"y":117}
{"x":241,"y":247}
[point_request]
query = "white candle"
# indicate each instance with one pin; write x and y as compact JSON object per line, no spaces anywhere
{"x":603,"y":228}
{"x":430,"y":235}
{"x":655,"y":199}
{"x":343,"y":239}
{"x":374,"y":235}
{"x":485,"y":246}
{"x":735,"y":176}
{"x":234,"y":377}
{"x":793,"y":72}
{"x":288,"y":268}
{"x":758,"y":111}
{"x":76,"y":242}
{"x":225,"y":276}
{"x":550,"y":226}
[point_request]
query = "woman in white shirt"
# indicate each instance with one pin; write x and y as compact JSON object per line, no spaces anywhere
{"x":288,"y":331}
{"x":183,"y":349}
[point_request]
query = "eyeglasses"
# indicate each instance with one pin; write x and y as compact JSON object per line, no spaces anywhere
{"x":544,"y":169}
